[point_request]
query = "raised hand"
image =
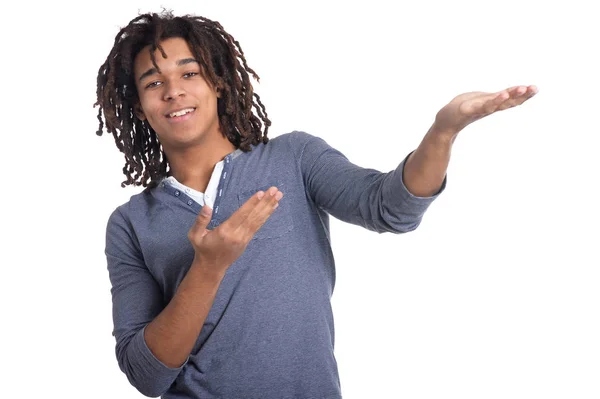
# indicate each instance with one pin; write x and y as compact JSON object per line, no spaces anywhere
{"x":219,"y":248}
{"x":469,"y":107}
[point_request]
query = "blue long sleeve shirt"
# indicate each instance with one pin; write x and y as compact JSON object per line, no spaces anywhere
{"x":269,"y":333}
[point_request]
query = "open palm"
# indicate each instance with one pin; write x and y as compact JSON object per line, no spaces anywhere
{"x":469,"y":107}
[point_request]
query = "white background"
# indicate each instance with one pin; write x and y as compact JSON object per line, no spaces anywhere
{"x":496,"y":295}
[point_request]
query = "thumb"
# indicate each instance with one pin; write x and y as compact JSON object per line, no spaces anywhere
{"x":206,"y":211}
{"x":203,"y":219}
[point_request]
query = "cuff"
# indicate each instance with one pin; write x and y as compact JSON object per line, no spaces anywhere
{"x":397,"y":189}
{"x":156,"y":367}
{"x":145,"y":372}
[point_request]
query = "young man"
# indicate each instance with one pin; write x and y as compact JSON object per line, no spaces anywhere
{"x":221,"y":286}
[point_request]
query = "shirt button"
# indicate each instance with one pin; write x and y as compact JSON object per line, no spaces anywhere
{"x":190,"y":202}
{"x":177,"y":193}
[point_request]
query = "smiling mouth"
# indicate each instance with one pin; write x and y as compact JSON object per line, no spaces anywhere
{"x":180,"y":113}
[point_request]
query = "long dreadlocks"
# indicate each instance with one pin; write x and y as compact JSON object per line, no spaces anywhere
{"x":224,"y":66}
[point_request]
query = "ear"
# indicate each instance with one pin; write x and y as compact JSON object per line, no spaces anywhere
{"x":139,"y":112}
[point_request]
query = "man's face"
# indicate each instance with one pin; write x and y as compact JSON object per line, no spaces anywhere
{"x":178,"y":103}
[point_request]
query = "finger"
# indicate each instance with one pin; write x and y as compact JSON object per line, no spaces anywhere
{"x":261,"y":213}
{"x":238,"y":217}
{"x":518,"y":95}
{"x":523,"y":92}
{"x":252,"y":205}
{"x":201,"y":223}
{"x":532,"y":90}
{"x":492,"y":104}
{"x":516,"y":91}
{"x":480,"y":104}
{"x":511,"y":103}
{"x":515,"y":98}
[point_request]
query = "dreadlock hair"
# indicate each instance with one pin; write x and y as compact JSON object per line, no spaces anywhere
{"x":223,"y":65}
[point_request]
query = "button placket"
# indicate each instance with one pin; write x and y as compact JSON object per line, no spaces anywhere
{"x":221,"y":185}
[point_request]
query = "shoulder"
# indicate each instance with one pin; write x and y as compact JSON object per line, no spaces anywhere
{"x":138,"y":204}
{"x":296,"y":138}
{"x":295,"y":143}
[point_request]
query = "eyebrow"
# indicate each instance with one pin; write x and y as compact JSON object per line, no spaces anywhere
{"x":153,"y":70}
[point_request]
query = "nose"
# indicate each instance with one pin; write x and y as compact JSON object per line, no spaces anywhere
{"x":172,"y":91}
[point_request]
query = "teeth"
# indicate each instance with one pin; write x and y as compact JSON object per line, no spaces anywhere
{"x":182,"y":112}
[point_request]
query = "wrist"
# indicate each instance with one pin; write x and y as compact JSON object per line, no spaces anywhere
{"x":442,"y":135}
{"x":208,"y":270}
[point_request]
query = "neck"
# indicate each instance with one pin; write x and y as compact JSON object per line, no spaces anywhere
{"x":193,"y":166}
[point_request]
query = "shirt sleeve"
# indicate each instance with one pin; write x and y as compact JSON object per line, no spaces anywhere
{"x":137,"y":300}
{"x":366,"y":197}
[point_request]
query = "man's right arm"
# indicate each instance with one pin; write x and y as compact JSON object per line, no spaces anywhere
{"x":138,"y":306}
{"x":154,"y":341}
{"x":173,"y":333}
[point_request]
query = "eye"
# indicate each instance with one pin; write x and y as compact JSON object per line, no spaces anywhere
{"x":152,"y":84}
{"x":190,"y":74}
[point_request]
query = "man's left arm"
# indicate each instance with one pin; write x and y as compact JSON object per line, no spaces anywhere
{"x":395,"y":201}
{"x":425,"y":169}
